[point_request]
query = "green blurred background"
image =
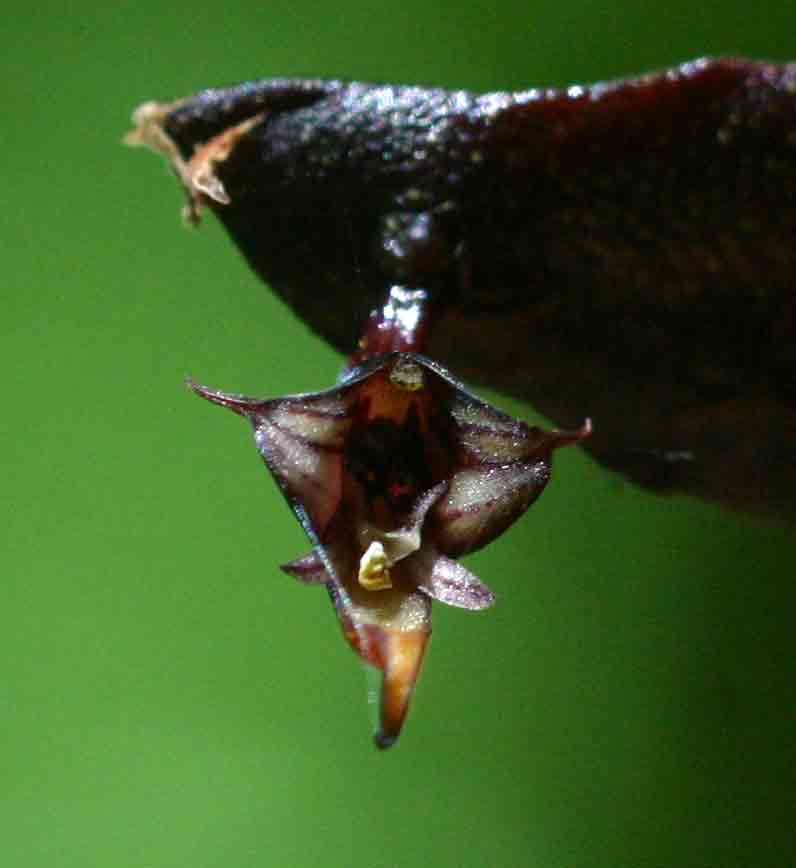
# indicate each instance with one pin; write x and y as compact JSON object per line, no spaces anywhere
{"x":168,"y":699}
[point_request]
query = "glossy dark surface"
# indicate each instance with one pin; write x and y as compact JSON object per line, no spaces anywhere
{"x":622,"y":251}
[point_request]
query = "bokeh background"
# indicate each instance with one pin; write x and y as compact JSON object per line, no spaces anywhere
{"x":168,"y":699}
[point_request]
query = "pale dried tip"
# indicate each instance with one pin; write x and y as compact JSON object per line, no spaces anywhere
{"x":149,"y":120}
{"x":204,"y":181}
{"x":201,"y":168}
{"x":150,"y":132}
{"x":198,"y":175}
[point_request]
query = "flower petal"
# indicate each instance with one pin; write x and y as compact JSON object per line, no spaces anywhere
{"x":239,"y":404}
{"x":488,"y":436}
{"x":401,"y":543}
{"x":310,"y":569}
{"x":302,"y":446}
{"x":389,"y":630}
{"x":482,"y":502}
{"x":506,"y":465}
{"x":451,"y":583}
{"x":301,"y":440}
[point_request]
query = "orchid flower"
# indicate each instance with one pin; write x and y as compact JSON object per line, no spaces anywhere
{"x":394,"y":474}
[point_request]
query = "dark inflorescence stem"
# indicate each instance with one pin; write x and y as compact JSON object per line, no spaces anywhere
{"x":403,"y":324}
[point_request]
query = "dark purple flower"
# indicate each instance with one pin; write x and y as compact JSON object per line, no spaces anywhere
{"x":394,"y":474}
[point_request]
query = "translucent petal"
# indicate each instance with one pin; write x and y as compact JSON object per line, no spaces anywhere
{"x":451,"y":583}
{"x":302,"y":443}
{"x":310,"y":569}
{"x":482,"y":502}
{"x":401,"y":543}
{"x":389,"y":630}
